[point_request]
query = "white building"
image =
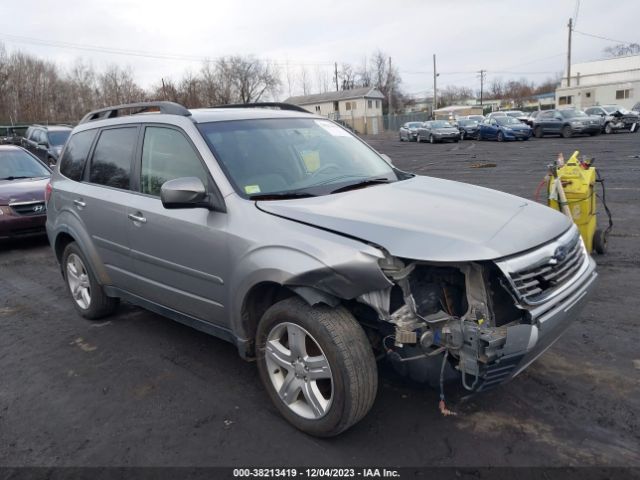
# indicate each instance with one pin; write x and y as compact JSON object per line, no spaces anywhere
{"x":360,"y":108}
{"x":614,"y":80}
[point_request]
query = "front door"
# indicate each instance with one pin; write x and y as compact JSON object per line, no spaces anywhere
{"x":179,"y":256}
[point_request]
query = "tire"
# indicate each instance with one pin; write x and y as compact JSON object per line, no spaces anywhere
{"x":600,"y":242}
{"x":89,"y":299}
{"x":526,"y":138}
{"x":401,"y":139}
{"x":462,"y":135}
{"x":537,"y":132}
{"x":330,"y":333}
{"x":607,"y":128}
{"x":566,"y":132}
{"x":500,"y":137}
{"x":418,"y":139}
{"x":478,"y":136}
{"x":432,"y":139}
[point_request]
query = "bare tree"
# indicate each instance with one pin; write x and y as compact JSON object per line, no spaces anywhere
{"x":622,"y":49}
{"x":305,"y":81}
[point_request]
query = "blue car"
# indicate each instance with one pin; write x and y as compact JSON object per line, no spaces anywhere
{"x":504,"y":128}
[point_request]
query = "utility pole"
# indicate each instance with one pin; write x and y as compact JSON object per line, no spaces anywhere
{"x":164,"y":91}
{"x":336,"y":75}
{"x":482,"y":74}
{"x":435,"y":91}
{"x":390,"y":82}
{"x":569,"y":53}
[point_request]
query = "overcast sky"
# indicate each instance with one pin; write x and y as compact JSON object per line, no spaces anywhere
{"x":508,"y":38}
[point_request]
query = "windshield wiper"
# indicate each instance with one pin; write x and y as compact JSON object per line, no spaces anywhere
{"x":15,"y":178}
{"x":360,"y":184}
{"x":281,"y":195}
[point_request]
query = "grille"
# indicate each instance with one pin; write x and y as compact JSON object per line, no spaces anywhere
{"x":537,"y":282}
{"x":29,"y":208}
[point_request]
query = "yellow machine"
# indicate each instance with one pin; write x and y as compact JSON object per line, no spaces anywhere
{"x":571,"y":190}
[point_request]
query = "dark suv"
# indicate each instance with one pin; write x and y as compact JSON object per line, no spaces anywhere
{"x":46,"y":142}
{"x":566,"y":122}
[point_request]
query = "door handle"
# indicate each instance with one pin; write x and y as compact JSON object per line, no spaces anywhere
{"x":79,"y":203}
{"x":137,"y":217}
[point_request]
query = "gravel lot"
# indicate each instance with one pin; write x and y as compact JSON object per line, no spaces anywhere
{"x":139,"y":389}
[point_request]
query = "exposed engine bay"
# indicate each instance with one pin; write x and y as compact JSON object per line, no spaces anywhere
{"x":441,"y":322}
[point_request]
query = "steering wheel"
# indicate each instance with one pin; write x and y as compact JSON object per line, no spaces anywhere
{"x":325,"y":168}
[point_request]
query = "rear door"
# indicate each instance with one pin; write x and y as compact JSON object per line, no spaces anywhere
{"x":101,"y":199}
{"x":180,"y":255}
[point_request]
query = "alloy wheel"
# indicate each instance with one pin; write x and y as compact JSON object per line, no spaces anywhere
{"x":299,"y":370}
{"x":78,"y":280}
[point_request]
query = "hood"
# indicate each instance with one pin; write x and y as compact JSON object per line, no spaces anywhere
{"x":22,"y":190}
{"x":514,"y":126}
{"x":430,"y":219}
{"x":446,"y":130}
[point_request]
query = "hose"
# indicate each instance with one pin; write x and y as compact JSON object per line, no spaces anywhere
{"x":600,"y":180}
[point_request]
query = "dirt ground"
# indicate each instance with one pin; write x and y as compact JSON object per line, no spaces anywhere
{"x":139,"y":389}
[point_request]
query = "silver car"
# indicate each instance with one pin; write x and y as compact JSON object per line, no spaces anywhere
{"x":283,"y":233}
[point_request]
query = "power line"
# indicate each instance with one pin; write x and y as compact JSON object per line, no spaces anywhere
{"x":576,"y":11}
{"x":132,"y":53}
{"x":600,"y":37}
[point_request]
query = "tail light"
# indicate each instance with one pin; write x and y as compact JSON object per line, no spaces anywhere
{"x":47,"y":192}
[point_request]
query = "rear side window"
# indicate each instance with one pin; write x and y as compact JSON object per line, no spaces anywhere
{"x":111,"y":162}
{"x":75,"y":155}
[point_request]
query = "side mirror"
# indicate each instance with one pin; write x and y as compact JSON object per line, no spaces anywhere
{"x":387,"y":158}
{"x":186,"y":192}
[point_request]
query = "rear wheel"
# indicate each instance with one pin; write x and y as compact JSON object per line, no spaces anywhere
{"x":88,"y":297}
{"x":566,"y":131}
{"x":317,"y":366}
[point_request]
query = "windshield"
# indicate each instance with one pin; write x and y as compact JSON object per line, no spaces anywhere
{"x":301,"y":156}
{"x":572,"y":113}
{"x":467,"y":123}
{"x":58,"y":138}
{"x":614,"y":108}
{"x":19,"y":164}
{"x":515,"y":113}
{"x":508,"y":121}
{"x":440,"y":124}
{"x":414,"y":125}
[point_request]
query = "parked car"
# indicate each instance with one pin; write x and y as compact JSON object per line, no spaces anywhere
{"x":503,"y":128}
{"x":614,"y":117}
{"x":46,"y":142}
{"x":435,"y":131}
{"x":531,"y":117}
{"x":636,"y":108}
{"x":477,"y":118}
{"x":285,"y":234}
{"x":23,"y":178}
{"x":565,"y":122}
{"x":409,"y":131}
{"x":467,"y":128}
{"x":496,"y":114}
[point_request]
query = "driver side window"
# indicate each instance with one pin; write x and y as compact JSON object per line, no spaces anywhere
{"x":167,"y":155}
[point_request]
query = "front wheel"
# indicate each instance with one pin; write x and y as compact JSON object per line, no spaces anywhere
{"x":566,"y":132}
{"x":462,"y":134}
{"x":317,"y":366}
{"x":500,"y":137}
{"x":432,"y":139}
{"x":88,"y":297}
{"x":537,"y":132}
{"x":607,"y":129}
{"x":418,"y":139}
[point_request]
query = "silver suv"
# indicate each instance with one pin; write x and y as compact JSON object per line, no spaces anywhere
{"x":282,"y":232}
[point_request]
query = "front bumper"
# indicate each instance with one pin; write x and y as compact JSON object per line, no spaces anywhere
{"x":586,"y":128}
{"x":517,"y":134}
{"x":13,"y":226}
{"x":446,"y":136}
{"x":526,"y":342}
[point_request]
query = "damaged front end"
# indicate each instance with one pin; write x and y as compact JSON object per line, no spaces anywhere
{"x":483,"y":322}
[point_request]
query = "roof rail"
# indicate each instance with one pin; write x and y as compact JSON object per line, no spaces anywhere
{"x":278,"y":105}
{"x":170,"y":108}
